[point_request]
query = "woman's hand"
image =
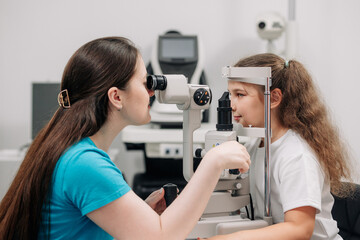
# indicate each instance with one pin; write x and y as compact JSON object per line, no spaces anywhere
{"x":156,"y":201}
{"x":231,"y":155}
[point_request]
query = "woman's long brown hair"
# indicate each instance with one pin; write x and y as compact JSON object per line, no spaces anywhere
{"x":90,"y":72}
{"x":303,"y":111}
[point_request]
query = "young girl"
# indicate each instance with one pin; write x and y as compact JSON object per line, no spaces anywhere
{"x":307,"y":156}
{"x":68,"y":188}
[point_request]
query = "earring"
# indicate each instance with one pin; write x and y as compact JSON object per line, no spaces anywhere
{"x":120,"y":108}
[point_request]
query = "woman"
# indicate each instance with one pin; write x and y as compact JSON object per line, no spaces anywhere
{"x":68,"y":188}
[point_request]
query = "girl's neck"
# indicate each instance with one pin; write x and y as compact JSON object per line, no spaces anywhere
{"x":276,"y":135}
{"x":277,"y":131}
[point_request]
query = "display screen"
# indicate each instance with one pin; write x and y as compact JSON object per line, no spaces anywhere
{"x":44,"y":104}
{"x":178,"y":48}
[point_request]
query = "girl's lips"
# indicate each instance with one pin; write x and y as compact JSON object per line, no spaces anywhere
{"x":237,"y":118}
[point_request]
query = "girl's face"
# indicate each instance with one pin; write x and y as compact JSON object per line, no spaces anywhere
{"x":137,"y":97}
{"x":247,"y":103}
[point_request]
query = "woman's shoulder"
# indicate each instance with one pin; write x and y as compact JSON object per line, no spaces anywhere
{"x":83,"y":152}
{"x":85,"y":147}
{"x":83,"y":158}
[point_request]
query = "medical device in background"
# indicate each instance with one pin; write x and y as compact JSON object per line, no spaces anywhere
{"x":44,"y":104}
{"x":271,"y":25}
{"x":174,"y":53}
{"x":232,"y":193}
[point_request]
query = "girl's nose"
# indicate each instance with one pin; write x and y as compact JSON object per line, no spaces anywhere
{"x":233,"y":106}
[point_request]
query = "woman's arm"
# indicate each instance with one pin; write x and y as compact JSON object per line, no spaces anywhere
{"x":298,"y":224}
{"x":129,"y":217}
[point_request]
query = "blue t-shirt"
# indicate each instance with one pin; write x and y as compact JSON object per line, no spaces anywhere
{"x":84,"y":180}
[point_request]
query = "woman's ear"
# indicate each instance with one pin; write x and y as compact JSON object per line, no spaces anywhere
{"x":115,"y":96}
{"x":275,"y":97}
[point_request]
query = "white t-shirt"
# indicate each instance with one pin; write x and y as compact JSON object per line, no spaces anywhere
{"x":297,"y":180}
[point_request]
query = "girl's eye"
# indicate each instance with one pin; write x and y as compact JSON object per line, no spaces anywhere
{"x":237,"y":95}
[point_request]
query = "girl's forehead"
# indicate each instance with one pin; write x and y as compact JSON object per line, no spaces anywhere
{"x":236,"y":85}
{"x":249,"y":88}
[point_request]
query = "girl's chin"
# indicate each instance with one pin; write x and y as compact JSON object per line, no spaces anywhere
{"x":239,"y":121}
{"x":243,"y":123}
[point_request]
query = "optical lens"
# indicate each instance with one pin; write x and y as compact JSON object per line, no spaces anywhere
{"x":156,"y":82}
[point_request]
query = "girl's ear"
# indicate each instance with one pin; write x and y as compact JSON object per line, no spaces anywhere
{"x":115,"y":96}
{"x":275,"y":97}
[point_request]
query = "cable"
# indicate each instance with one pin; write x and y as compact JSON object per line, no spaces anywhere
{"x":251,"y":208}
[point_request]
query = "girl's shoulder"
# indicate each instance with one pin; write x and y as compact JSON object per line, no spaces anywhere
{"x":292,"y":146}
{"x":290,"y":139}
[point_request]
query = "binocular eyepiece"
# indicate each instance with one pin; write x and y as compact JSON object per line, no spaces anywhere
{"x":156,"y":82}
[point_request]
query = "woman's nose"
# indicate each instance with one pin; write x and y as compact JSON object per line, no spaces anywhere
{"x":151,"y":92}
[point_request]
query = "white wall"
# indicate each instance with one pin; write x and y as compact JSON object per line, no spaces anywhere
{"x":37,"y":38}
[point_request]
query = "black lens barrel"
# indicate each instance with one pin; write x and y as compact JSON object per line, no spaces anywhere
{"x":156,"y":82}
{"x":224,"y":112}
